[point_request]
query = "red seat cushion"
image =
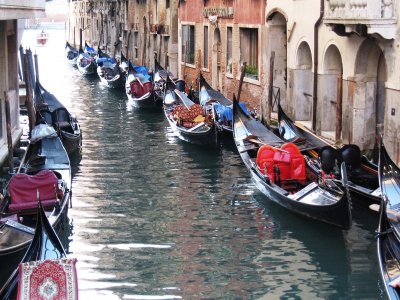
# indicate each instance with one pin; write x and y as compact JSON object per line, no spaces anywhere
{"x":136,"y":89}
{"x":283,"y":161}
{"x":147,"y":87}
{"x":298,"y":164}
{"x":265,"y":161}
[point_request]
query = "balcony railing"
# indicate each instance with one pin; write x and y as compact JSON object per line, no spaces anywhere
{"x":376,"y":16}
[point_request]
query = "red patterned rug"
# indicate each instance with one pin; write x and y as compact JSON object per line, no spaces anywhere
{"x":48,"y":280}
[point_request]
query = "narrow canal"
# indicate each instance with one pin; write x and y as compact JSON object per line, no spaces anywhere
{"x":155,"y":218}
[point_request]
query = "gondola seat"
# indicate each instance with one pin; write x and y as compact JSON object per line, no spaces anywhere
{"x":351,"y":155}
{"x":265,"y":161}
{"x":330,"y":159}
{"x":282,"y":165}
{"x":297,"y":162}
{"x":24,"y":190}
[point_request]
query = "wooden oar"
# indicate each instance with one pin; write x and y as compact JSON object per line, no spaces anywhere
{"x":316,"y":136}
{"x":253,"y":139}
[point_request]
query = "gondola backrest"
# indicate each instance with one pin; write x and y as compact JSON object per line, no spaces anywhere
{"x":147,"y":87}
{"x":297,"y":162}
{"x":265,"y":161}
{"x":23,"y":190}
{"x":288,"y":160}
{"x":351,"y":155}
{"x":330,"y":159}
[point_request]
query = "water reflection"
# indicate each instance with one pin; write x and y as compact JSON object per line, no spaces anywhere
{"x":156,"y":218}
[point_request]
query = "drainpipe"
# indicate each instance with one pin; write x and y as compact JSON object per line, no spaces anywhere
{"x":315,"y":84}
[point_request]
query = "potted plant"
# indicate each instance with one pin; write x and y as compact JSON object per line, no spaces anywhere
{"x":252,"y":72}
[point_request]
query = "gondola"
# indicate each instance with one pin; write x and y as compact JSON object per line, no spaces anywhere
{"x":86,"y":63}
{"x":71,"y":53}
{"x":109,"y":71}
{"x":53,"y":112}
{"x":189,"y":121}
{"x":279,"y":171}
{"x":159,"y":81}
{"x":44,"y":170}
{"x":220,"y":106}
{"x":362,"y":174}
{"x":42,"y":38}
{"x":388,"y":235}
{"x":45,"y":244}
{"x":139,"y":88}
{"x":124,"y":64}
{"x":90,"y":50}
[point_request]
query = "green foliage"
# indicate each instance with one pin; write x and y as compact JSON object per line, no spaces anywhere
{"x":251,"y":70}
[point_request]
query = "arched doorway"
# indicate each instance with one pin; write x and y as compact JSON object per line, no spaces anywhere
{"x":216,"y":61}
{"x":370,"y":79}
{"x":277,"y":42}
{"x":331,"y":91}
{"x":303,"y":84}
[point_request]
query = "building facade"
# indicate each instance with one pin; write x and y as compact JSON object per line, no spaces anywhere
{"x":331,"y":63}
{"x":218,"y":39}
{"x":142,"y":29}
{"x":342,"y":75}
{"x":10,"y":35}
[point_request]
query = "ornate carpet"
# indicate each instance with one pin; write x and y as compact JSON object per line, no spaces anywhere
{"x":48,"y":280}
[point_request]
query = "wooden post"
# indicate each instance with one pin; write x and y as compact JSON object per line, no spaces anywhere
{"x":270,"y":87}
{"x":166,"y":62}
{"x":80,"y":39}
{"x":22,"y":65}
{"x":9,"y":136}
{"x":159,"y":48}
{"x":36,"y":67}
{"x":339,"y":109}
{"x":29,"y":101}
{"x":184,"y":61}
{"x":243,"y":72}
{"x":144,"y":40}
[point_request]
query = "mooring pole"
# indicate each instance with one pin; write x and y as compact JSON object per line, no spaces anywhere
{"x":9,"y":136}
{"x":28,"y":100}
{"x":270,"y":87}
{"x":339,"y":109}
{"x":243,"y":72}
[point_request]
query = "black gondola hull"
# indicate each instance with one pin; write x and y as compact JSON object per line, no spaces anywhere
{"x":316,"y":201}
{"x":147,"y":101}
{"x":207,"y":137}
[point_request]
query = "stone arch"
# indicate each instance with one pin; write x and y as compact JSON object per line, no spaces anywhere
{"x":369,"y":105}
{"x":216,"y":60}
{"x":277,"y":43}
{"x":271,"y":14}
{"x":303,"y":83}
{"x":331,"y":91}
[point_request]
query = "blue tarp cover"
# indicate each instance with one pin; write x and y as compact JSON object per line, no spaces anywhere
{"x":142,"y":70}
{"x":225,"y":113}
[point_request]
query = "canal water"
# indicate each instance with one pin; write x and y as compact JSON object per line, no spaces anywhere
{"x":156,"y":218}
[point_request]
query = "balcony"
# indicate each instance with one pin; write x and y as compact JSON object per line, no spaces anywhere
{"x":364,"y":17}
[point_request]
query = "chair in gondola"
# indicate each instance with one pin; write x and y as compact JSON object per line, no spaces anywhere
{"x":24,"y":188}
{"x":351,"y":155}
{"x":330,"y":159}
{"x":61,"y":119}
